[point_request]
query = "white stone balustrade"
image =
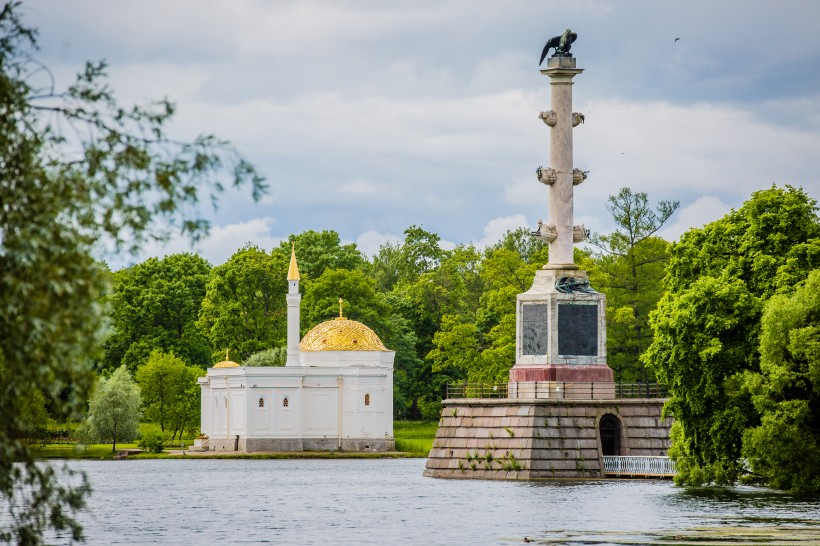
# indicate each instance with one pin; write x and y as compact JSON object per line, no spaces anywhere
{"x":639,"y":466}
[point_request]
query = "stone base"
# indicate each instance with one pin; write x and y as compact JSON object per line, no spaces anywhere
{"x":255,"y":445}
{"x":562,"y":372}
{"x":507,"y":439}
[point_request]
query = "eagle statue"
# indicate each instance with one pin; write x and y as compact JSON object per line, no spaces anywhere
{"x":561,"y":44}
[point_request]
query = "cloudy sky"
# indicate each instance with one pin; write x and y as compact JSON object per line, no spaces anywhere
{"x":367,"y":117}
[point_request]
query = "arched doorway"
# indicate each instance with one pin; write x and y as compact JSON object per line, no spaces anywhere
{"x":610,"y":428}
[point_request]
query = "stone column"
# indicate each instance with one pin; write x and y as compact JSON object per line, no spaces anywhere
{"x":561,"y":70}
{"x":560,"y":320}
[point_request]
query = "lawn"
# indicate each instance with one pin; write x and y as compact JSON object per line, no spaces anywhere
{"x":414,"y":436}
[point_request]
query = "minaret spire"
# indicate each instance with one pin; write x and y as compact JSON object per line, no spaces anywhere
{"x":294,"y":298}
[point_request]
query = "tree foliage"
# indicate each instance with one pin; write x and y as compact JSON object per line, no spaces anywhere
{"x":702,"y":342}
{"x":170,"y":392}
{"x":276,"y":356}
{"x":155,"y":305}
{"x":114,"y":408}
{"x":79,"y":172}
{"x":784,"y":449}
{"x":321,"y":250}
{"x":629,"y":269}
{"x":707,"y":331}
{"x":244,"y":307}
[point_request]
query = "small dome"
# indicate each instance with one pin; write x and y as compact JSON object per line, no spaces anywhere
{"x":227,"y":363}
{"x":341,"y":334}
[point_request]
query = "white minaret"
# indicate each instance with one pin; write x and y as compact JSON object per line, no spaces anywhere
{"x":294,"y":298}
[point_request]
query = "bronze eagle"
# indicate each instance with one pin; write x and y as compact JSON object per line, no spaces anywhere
{"x":561,"y":44}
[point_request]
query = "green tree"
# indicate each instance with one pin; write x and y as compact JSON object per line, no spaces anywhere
{"x":706,"y":326}
{"x":244,"y":307}
{"x":111,"y":178}
{"x":784,"y":450}
{"x":478,"y":342}
{"x":317,"y":251}
{"x":361,"y":302}
{"x":276,"y":356}
{"x":702,"y":342}
{"x":155,"y":305}
{"x":770,"y":243}
{"x":629,"y":269}
{"x":114,"y":408}
{"x":419,"y":253}
{"x":170,"y":392}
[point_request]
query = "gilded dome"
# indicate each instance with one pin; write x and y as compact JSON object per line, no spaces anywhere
{"x":226,"y":363}
{"x":341,"y":334}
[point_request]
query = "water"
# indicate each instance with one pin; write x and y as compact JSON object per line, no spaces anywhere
{"x":388,"y":502}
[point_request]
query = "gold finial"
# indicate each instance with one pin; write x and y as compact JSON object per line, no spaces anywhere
{"x":226,"y":355}
{"x":293,"y":270}
{"x":340,"y":307}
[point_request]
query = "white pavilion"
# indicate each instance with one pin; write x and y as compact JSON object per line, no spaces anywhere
{"x":335,"y":391}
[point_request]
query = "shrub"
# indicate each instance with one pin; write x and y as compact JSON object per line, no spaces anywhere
{"x":269,"y":357}
{"x":152,"y":442}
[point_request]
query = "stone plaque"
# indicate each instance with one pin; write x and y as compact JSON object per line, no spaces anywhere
{"x":577,"y":330}
{"x":534,"y":332}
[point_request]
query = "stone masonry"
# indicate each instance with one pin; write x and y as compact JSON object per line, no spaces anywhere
{"x":539,"y":439}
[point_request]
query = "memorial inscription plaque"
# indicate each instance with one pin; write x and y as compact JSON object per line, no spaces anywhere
{"x":577,"y":330}
{"x":534,"y":331}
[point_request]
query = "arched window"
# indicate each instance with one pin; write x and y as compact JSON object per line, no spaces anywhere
{"x":610,"y":429}
{"x":367,"y":399}
{"x":285,"y":402}
{"x":261,"y":402}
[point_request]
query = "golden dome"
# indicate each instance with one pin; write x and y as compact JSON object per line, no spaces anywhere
{"x":226,"y":363}
{"x":341,"y":334}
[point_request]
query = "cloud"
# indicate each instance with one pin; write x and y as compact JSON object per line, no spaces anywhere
{"x":702,"y":211}
{"x":496,"y":228}
{"x":363,"y":187}
{"x":370,"y":116}
{"x":371,"y":240}
{"x":221,"y":243}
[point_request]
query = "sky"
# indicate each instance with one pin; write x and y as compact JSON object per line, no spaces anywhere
{"x":367,"y":117}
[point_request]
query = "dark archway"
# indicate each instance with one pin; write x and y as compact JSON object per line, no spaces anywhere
{"x":610,"y":428}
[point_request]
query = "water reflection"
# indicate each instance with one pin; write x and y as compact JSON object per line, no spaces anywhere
{"x":388,"y":501}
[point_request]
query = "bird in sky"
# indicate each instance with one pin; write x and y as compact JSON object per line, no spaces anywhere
{"x":676,"y":40}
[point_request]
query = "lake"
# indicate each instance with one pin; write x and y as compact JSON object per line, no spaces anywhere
{"x":372,"y":501}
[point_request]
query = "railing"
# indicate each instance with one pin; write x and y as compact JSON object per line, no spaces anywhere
{"x":641,"y":390}
{"x":639,"y":466}
{"x":476,"y":390}
{"x":556,"y":389}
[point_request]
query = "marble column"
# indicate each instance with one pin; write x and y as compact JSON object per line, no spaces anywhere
{"x":561,"y":70}
{"x":560,"y":320}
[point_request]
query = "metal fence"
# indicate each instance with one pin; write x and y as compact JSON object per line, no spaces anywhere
{"x":476,"y":390}
{"x":556,"y":389}
{"x":641,"y":390}
{"x":639,"y":466}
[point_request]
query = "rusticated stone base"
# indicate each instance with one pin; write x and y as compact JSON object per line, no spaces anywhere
{"x":517,"y":439}
{"x":255,"y":445}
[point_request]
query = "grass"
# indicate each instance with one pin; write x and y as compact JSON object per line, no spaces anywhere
{"x":414,"y":436}
{"x":413,"y":439}
{"x":77,"y":451}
